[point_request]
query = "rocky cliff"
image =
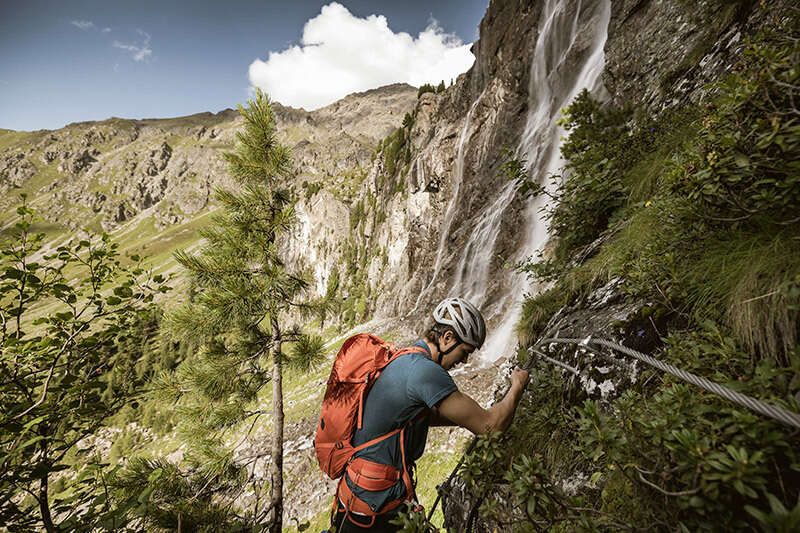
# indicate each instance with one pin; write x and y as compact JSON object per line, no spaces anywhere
{"x":442,"y":217}
{"x":431,"y":212}
{"x":565,"y":466}
{"x":458,"y":224}
{"x":154,"y":175}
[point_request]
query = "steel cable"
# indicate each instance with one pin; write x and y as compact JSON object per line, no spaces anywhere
{"x":771,"y":411}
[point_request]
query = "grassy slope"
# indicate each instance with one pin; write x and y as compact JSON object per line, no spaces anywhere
{"x":140,"y":236}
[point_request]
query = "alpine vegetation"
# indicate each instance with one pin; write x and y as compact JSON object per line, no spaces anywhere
{"x":241,"y":316}
{"x":73,"y":340}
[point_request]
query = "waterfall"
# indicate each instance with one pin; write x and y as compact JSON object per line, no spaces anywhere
{"x":458,"y":177}
{"x":553,"y":85}
{"x":472,"y":274}
{"x":567,"y":58}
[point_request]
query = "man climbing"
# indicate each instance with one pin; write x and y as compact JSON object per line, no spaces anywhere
{"x":415,"y":391}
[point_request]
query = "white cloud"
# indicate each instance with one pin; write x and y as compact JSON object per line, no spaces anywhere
{"x":82,"y":24}
{"x":139,"y":51}
{"x":105,"y":30}
{"x":340,"y":54}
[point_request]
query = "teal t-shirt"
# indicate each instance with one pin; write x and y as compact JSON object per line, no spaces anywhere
{"x":407,"y":386}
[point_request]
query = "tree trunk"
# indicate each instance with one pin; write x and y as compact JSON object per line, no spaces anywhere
{"x":44,"y":505}
{"x":276,"y":469}
{"x":44,"y":498}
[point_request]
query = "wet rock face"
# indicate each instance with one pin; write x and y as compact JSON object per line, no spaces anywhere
{"x":507,"y":35}
{"x":607,"y":314}
{"x":658,"y":53}
{"x":457,"y":141}
{"x":688,"y":45}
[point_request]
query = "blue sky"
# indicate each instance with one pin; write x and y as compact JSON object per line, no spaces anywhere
{"x":68,"y":61}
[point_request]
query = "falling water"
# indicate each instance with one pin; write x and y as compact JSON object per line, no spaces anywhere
{"x":551,"y":89}
{"x":472,"y":274}
{"x":458,"y":177}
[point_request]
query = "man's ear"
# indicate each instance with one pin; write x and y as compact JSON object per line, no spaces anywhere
{"x":448,"y":336}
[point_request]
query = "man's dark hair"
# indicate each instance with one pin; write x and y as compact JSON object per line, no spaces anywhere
{"x":436,"y":331}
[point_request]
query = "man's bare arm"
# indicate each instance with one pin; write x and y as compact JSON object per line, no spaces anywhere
{"x":436,"y":418}
{"x":461,"y":410}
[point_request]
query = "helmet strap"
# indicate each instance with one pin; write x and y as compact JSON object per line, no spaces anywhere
{"x":445,"y":352}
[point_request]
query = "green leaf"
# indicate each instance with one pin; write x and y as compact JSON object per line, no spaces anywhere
{"x":155,"y":475}
{"x":144,"y":496}
{"x":696,"y":502}
{"x":123,"y":292}
{"x":13,"y":273}
{"x":35,"y":421}
{"x":31,"y":442}
{"x":531,"y":505}
{"x":61,"y":288}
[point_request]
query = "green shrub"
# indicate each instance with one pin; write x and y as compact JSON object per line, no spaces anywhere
{"x":425,"y":88}
{"x":356,"y":215}
{"x":702,"y":454}
{"x":695,"y":211}
{"x":391,"y":152}
{"x":311,"y":188}
{"x":408,"y":121}
{"x":536,"y":312}
{"x":747,"y":167}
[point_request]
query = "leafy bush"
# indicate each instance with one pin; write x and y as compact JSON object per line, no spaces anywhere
{"x":592,"y":189}
{"x":71,"y":345}
{"x":705,"y":456}
{"x":695,"y":212}
{"x":747,"y":167}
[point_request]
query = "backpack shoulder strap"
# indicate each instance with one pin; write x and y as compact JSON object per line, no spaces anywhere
{"x":406,"y":351}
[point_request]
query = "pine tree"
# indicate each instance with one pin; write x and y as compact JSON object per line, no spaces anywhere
{"x":245,"y":297}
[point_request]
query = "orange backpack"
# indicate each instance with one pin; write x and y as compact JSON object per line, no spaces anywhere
{"x":358,"y":364}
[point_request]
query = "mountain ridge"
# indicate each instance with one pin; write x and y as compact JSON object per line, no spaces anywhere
{"x":227,"y":112}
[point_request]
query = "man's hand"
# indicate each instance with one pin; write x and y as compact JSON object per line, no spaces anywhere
{"x":520,"y":378}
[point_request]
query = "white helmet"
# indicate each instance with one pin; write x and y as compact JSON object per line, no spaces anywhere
{"x":464,"y":318}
